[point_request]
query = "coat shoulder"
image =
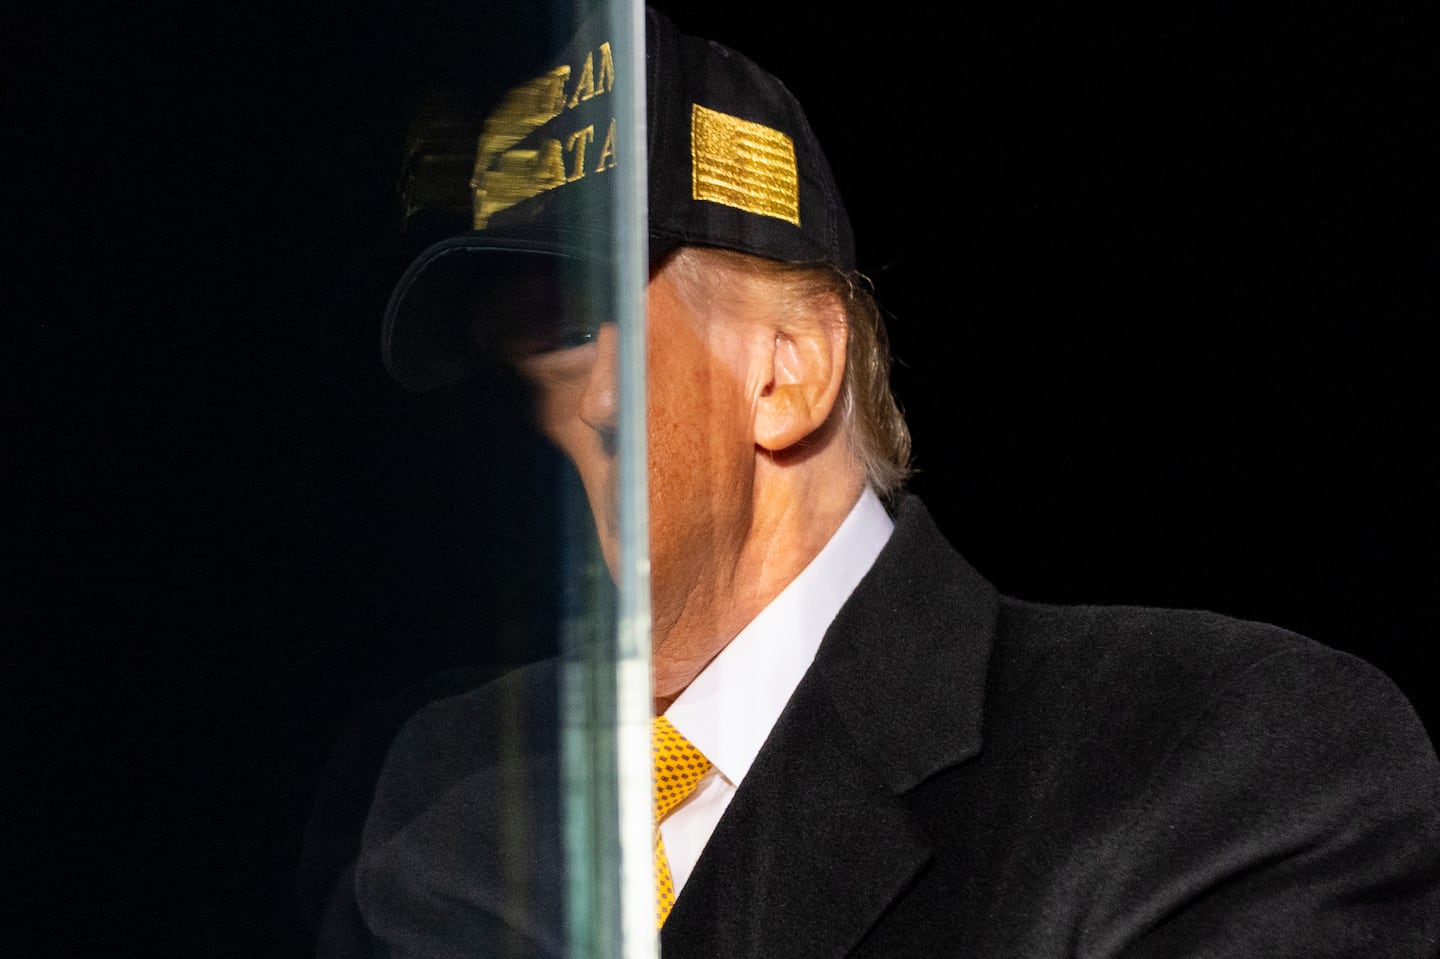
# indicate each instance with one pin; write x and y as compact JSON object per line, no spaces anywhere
{"x":1155,"y":691}
{"x":1171,"y":657}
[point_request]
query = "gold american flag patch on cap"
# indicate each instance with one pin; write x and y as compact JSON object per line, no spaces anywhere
{"x":744,"y":165}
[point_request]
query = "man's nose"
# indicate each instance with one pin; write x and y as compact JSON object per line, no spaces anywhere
{"x":600,"y":403}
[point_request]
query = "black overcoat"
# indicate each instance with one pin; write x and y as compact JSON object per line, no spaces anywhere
{"x":961,"y":773}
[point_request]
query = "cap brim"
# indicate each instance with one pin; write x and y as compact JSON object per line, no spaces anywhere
{"x":465,"y":298}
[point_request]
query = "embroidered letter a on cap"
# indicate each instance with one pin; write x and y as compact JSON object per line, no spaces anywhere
{"x":744,"y":165}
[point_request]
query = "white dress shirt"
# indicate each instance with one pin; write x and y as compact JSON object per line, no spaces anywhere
{"x":730,"y":708}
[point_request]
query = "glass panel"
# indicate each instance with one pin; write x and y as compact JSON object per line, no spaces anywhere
{"x":622,"y":842}
{"x":606,"y":700}
{"x":514,"y":818}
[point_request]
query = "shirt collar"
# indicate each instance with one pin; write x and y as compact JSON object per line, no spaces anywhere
{"x":730,"y":708}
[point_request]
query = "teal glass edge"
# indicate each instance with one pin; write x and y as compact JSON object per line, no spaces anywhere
{"x":606,"y":695}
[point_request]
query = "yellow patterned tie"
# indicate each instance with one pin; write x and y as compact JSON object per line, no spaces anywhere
{"x":679,"y":766}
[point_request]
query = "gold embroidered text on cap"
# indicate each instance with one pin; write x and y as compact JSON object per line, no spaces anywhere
{"x":507,"y":174}
{"x":743,"y":165}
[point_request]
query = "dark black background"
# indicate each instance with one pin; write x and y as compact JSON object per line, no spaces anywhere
{"x":1163,"y":284}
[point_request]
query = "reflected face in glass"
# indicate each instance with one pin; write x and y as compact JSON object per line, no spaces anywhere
{"x":577,"y":408}
{"x":699,"y":431}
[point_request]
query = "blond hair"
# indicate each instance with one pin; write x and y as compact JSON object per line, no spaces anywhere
{"x":873,"y":425}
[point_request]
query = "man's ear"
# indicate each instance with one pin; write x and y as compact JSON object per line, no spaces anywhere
{"x":806,"y":367}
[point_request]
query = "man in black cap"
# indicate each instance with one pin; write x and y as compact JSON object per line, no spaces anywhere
{"x":888,"y":757}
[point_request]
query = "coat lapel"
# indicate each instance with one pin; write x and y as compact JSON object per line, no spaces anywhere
{"x":818,"y":841}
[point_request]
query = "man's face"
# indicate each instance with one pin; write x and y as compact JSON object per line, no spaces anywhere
{"x":699,"y":431}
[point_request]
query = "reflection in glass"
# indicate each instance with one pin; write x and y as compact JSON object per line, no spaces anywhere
{"x":503,"y":822}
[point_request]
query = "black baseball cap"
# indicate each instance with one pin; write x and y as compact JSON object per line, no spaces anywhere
{"x":733,"y":163}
